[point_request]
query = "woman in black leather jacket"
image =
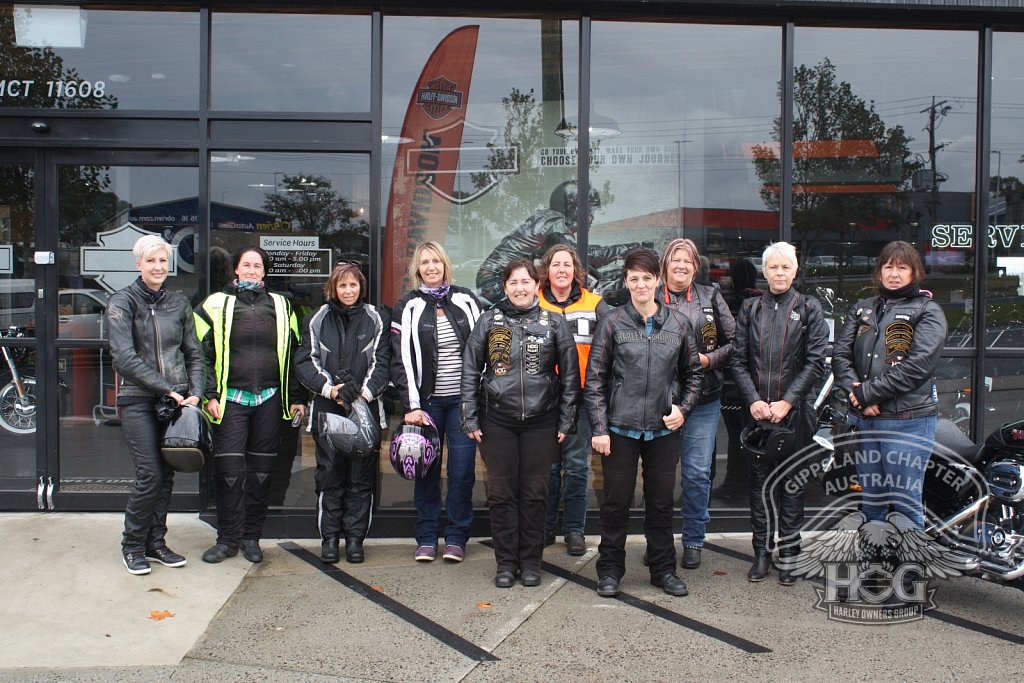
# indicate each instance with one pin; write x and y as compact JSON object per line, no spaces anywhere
{"x":519,"y":409}
{"x":344,"y":355}
{"x":643,"y":380}
{"x":885,"y":358}
{"x":778,"y":355}
{"x":156,"y":354}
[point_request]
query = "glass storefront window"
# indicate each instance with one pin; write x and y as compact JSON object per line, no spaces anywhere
{"x":308,"y":211}
{"x":290,"y":62}
{"x":677,"y":111}
{"x":470,"y":151}
{"x":1005,"y":267}
{"x":884,"y":149}
{"x":69,"y":57}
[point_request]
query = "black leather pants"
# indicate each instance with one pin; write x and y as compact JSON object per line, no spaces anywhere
{"x":145,"y":518}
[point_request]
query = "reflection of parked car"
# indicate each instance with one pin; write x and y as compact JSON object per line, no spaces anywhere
{"x":18,"y":303}
{"x":81,"y":312}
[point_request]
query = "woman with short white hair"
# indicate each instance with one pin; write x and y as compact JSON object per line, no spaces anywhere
{"x":157,"y":357}
{"x":777,"y":357}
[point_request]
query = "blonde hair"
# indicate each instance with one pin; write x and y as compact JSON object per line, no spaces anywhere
{"x":147,"y":245}
{"x":414,"y":264}
{"x":684,"y":244}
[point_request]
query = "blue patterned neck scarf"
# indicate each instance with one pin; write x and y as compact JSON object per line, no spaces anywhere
{"x":438,"y":293}
{"x":247,"y":285}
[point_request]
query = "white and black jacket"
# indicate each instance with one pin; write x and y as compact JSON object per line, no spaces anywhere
{"x":414,"y":339}
{"x":336,"y":340}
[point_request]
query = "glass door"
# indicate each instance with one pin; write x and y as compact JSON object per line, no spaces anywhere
{"x":104,"y":202}
{"x":22,"y":471}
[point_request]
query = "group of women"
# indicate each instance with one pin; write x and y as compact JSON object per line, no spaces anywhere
{"x":535,"y":382}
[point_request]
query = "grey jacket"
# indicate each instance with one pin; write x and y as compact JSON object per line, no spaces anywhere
{"x":153,"y":343}
{"x":892,"y":348}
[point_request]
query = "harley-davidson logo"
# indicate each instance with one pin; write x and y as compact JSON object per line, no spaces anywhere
{"x":439,"y":98}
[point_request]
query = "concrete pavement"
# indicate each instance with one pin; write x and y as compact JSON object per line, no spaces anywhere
{"x":70,"y":612}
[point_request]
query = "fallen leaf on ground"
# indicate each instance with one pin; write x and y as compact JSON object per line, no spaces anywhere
{"x":158,"y":615}
{"x":379,"y":589}
{"x":718,"y":572}
{"x":483,"y":605}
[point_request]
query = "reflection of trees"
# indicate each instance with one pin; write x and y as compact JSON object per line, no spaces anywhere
{"x":41,"y":65}
{"x":518,"y":195}
{"x":311,"y":206}
{"x":83,"y":189}
{"x":825,"y":109}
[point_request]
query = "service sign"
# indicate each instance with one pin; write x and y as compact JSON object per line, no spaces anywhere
{"x":296,"y":256}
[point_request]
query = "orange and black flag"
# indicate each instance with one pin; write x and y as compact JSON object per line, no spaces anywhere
{"x":428,"y":156}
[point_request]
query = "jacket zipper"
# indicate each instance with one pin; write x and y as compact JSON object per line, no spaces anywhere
{"x":522,"y":377}
{"x":156,"y":339}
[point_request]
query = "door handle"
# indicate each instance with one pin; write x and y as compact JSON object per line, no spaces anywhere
{"x":49,"y":494}
{"x":39,"y":494}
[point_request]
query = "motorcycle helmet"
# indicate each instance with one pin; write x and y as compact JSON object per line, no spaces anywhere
{"x":356,"y":435}
{"x":187,"y":441}
{"x":767,"y":441}
{"x":416,"y":450}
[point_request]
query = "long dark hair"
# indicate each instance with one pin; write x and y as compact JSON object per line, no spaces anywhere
{"x":236,"y":258}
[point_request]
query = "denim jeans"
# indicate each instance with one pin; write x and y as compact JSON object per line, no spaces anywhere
{"x":695,"y":457}
{"x":446,"y":414}
{"x":892,"y":456}
{"x":571,"y":466}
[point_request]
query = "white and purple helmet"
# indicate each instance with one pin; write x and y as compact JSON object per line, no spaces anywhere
{"x":416,"y":450}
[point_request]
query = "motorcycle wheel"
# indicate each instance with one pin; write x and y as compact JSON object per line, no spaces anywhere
{"x":15,"y":416}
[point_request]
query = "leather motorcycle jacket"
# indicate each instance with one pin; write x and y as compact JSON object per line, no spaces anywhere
{"x":713,"y":326}
{"x":634,"y":379}
{"x":153,"y":343}
{"x":509,"y":367}
{"x":778,"y":352}
{"x":892,"y":347}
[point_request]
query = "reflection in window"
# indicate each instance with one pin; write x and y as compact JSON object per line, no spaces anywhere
{"x":1005,"y":267}
{"x":308,"y":211}
{"x":290,"y":62}
{"x":471,"y":154}
{"x":883,"y":150}
{"x":692,"y":102}
{"x":76,"y":58}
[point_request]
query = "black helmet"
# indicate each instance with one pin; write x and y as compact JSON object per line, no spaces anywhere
{"x":187,"y":441}
{"x":767,"y":441}
{"x":356,"y":435}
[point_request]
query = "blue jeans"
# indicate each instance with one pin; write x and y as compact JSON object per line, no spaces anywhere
{"x":698,"y":450}
{"x":892,"y":456}
{"x":446,"y":414}
{"x":571,"y":465}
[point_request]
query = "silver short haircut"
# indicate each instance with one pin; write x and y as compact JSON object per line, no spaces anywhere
{"x":783,"y":249}
{"x":147,"y":245}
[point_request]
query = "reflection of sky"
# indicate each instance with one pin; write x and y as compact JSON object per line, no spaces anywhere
{"x":900,"y":71}
{"x":1007,"y":104}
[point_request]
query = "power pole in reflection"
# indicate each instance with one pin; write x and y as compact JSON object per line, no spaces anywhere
{"x":936,"y":111}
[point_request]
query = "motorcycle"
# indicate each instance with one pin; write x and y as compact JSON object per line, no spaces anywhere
{"x":18,"y":405}
{"x":973,"y":494}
